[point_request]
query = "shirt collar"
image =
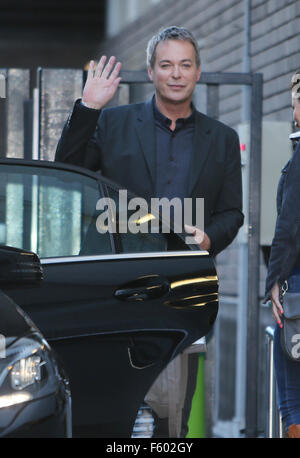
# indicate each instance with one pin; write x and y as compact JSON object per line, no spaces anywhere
{"x":166,"y":121}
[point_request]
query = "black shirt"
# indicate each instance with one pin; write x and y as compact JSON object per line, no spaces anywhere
{"x":173,"y":154}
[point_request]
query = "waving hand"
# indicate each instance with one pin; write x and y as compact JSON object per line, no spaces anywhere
{"x":102,"y":83}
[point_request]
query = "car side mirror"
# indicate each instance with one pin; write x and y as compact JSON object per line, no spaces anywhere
{"x":18,"y":266}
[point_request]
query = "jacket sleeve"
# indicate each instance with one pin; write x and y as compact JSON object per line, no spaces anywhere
{"x":228,"y":217}
{"x":285,"y":247}
{"x":82,"y":137}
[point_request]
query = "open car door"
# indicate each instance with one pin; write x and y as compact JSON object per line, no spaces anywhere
{"x":116,"y":307}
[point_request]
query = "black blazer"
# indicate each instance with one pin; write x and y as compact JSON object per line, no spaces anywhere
{"x":121,"y":142}
{"x":285,"y":249}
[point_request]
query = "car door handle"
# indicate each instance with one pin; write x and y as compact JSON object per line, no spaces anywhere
{"x":143,"y":288}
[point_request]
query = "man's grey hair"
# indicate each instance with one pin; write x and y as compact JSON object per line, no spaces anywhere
{"x":171,"y":33}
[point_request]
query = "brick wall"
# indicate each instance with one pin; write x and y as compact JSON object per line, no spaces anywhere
{"x":219,"y":27}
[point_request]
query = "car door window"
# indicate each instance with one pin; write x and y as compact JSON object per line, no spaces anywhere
{"x":50,"y":211}
{"x":132,"y":223}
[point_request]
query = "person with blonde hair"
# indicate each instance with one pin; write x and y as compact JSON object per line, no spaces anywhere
{"x":284,"y":266}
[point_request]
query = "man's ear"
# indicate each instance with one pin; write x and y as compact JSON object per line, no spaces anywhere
{"x":150,"y":73}
{"x":199,"y":73}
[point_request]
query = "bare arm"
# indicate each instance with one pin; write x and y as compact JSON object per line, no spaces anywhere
{"x":276,"y":305}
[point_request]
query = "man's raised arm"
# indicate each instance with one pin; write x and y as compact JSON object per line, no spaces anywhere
{"x":77,"y":144}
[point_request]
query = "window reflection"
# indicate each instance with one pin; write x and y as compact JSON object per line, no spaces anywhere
{"x":142,"y":241}
{"x":50,"y":212}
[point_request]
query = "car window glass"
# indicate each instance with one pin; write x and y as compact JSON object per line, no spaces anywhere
{"x":49,"y":211}
{"x":135,"y":229}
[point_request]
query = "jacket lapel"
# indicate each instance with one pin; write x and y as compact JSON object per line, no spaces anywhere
{"x":200,"y":149}
{"x":145,"y":129}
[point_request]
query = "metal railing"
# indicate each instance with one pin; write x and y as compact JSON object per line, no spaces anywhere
{"x":273,"y":421}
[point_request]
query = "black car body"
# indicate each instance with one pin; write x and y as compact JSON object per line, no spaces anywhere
{"x":116,"y":307}
{"x":35,"y":396}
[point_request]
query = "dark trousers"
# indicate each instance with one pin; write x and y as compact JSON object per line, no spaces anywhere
{"x":287,"y":371}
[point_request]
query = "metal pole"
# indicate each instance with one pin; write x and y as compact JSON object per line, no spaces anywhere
{"x":254,"y":256}
{"x":211,"y":368}
{"x":246,"y":60}
{"x":241,"y":347}
{"x":213,"y":100}
{"x":273,"y":418}
{"x":269,"y":382}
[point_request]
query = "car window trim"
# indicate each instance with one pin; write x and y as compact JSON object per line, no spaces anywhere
{"x":122,"y":256}
{"x":64,"y":167}
{"x":52,"y":165}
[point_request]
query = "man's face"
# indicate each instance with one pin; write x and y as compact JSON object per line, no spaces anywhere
{"x":175,"y":72}
{"x":296,"y":108}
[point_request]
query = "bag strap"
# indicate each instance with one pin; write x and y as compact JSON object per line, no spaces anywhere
{"x":284,"y":287}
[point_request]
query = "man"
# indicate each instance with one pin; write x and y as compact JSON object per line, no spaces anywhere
{"x":164,"y":147}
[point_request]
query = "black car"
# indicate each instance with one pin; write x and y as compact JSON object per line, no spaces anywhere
{"x":35,"y":398}
{"x":115,"y":305}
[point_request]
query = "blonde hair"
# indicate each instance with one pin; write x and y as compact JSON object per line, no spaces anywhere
{"x":295,"y":84}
